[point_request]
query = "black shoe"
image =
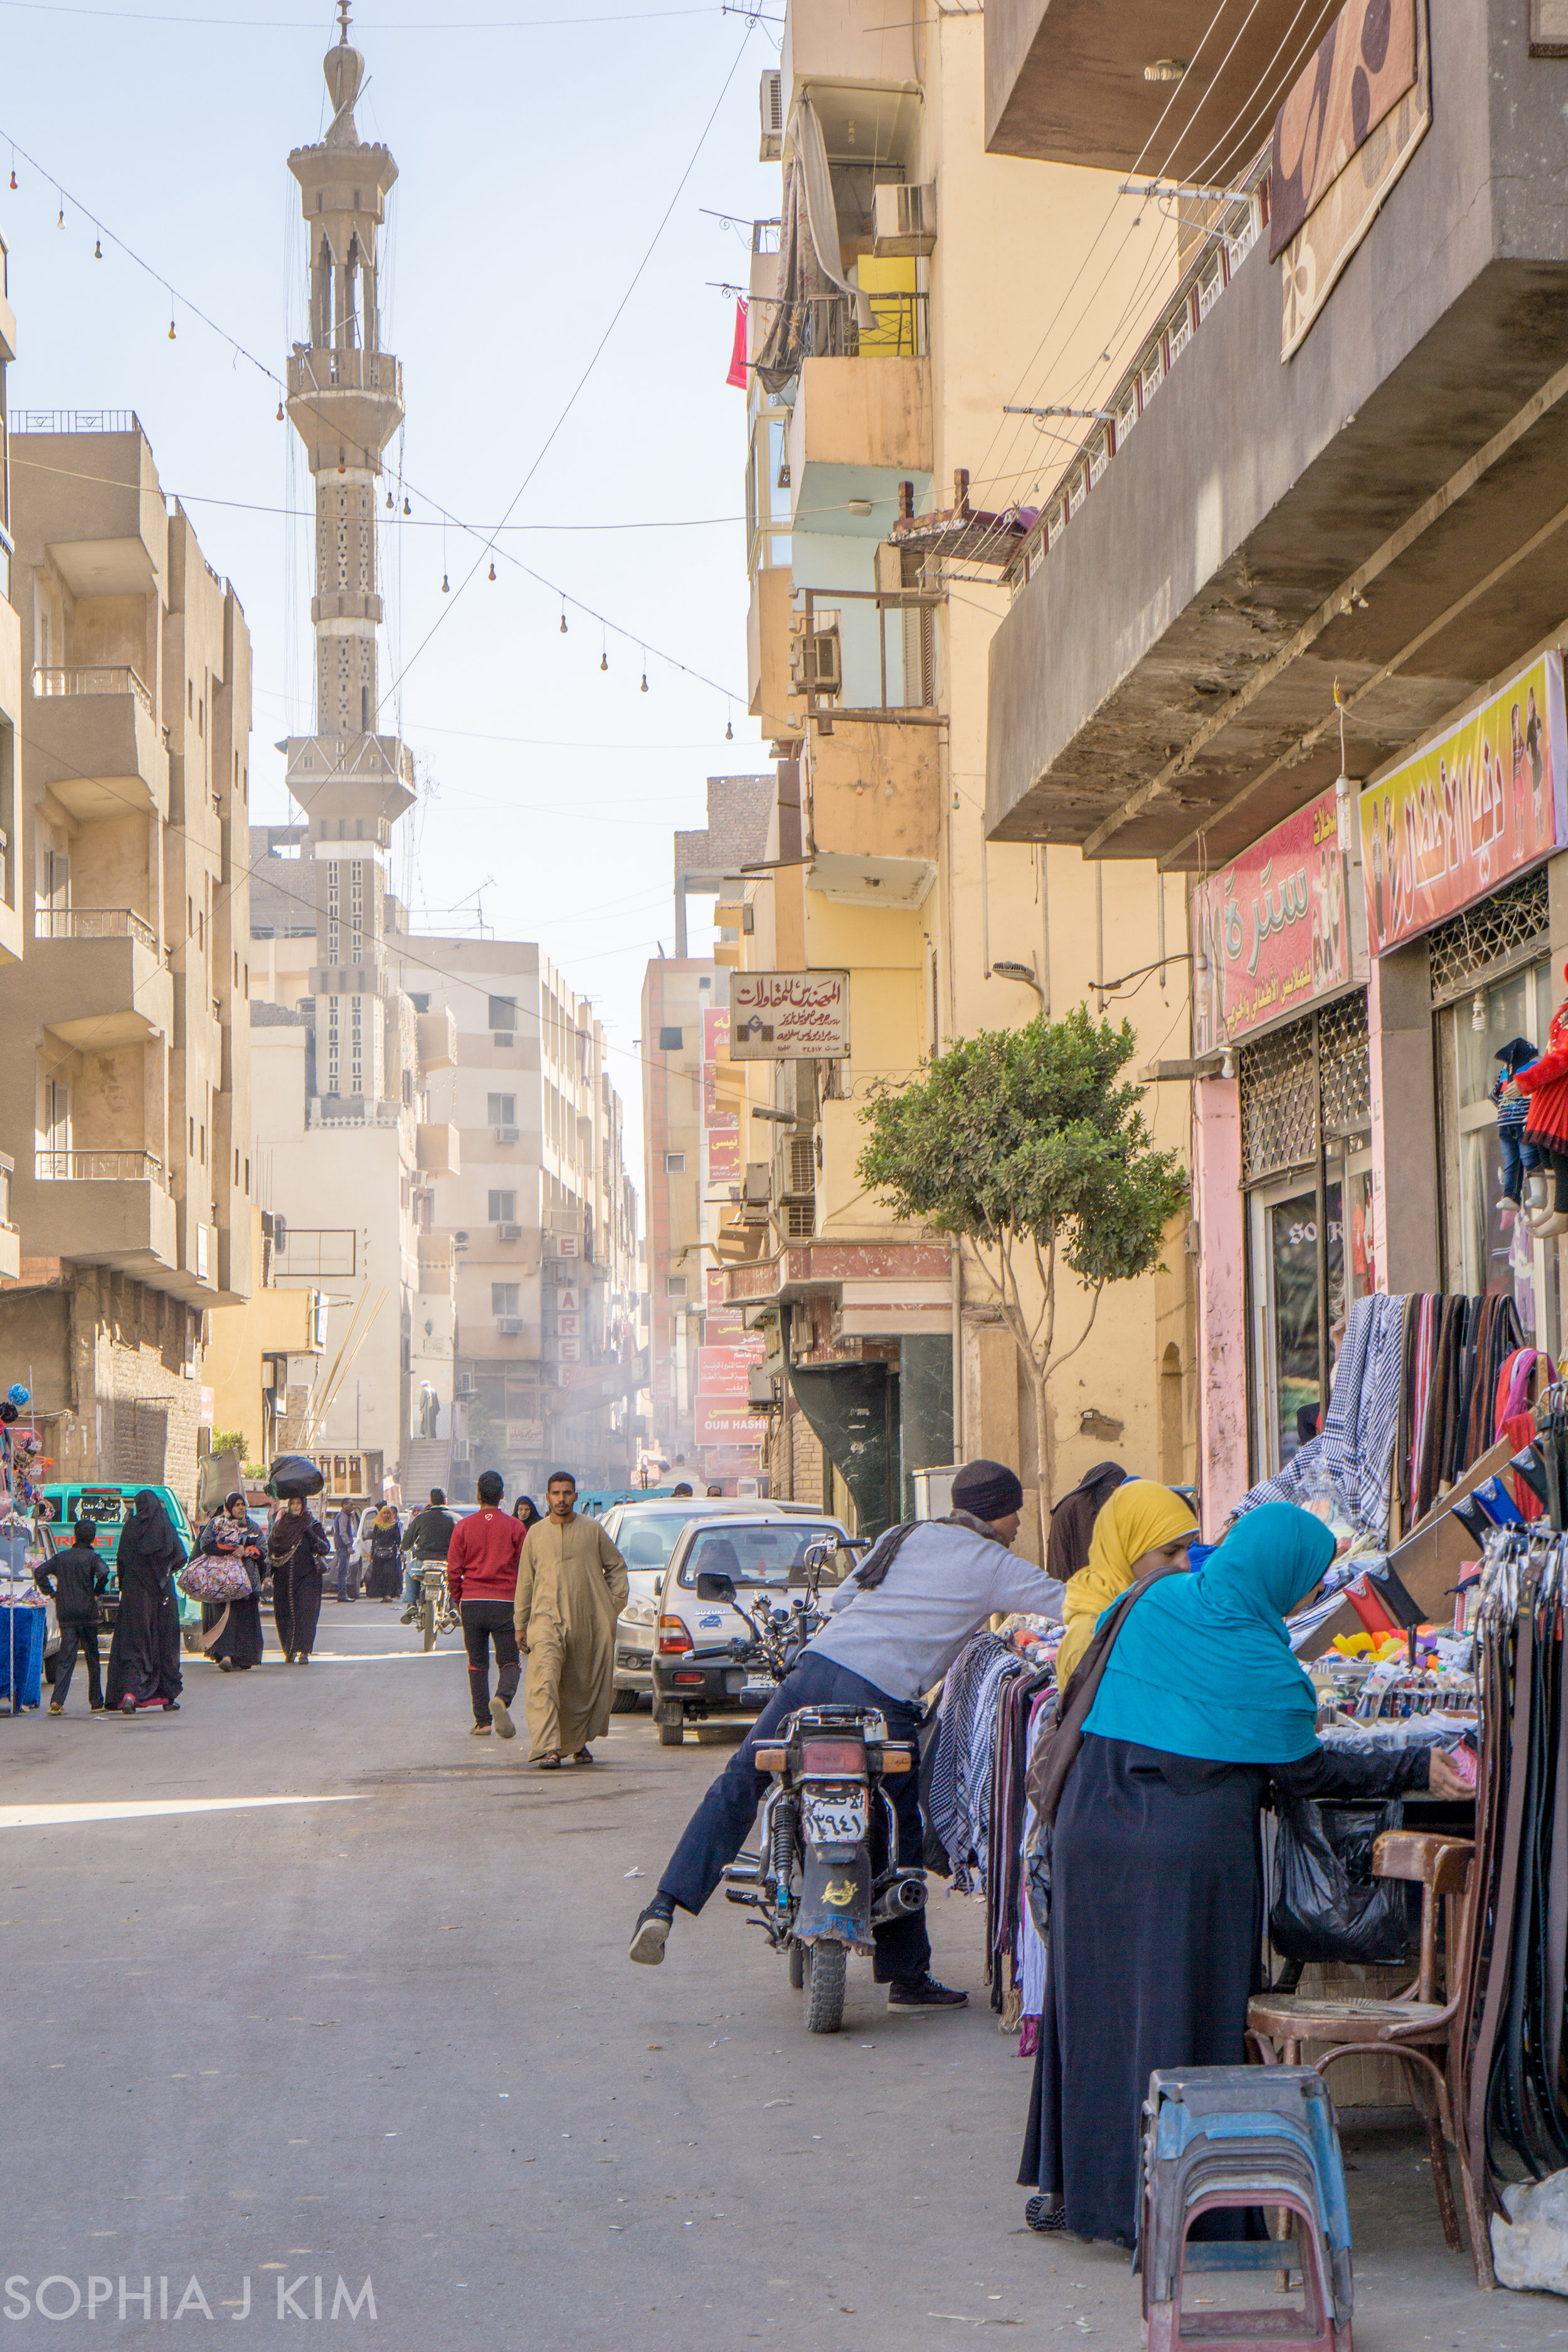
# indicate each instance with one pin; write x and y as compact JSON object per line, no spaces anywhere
{"x":653,"y":1925}
{"x":924,"y":1992}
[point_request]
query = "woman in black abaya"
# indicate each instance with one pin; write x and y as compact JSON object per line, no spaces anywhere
{"x":238,"y":1645}
{"x":145,"y":1654}
{"x":297,"y":1550}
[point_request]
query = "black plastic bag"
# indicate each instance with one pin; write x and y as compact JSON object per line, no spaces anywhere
{"x":293,"y":1475}
{"x":1327,"y":1904}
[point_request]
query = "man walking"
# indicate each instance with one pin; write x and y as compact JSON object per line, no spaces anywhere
{"x":73,"y":1580}
{"x":344,"y":1524}
{"x":481,"y":1577}
{"x":426,"y":1538}
{"x":571,"y":1588}
{"x":896,"y":1626}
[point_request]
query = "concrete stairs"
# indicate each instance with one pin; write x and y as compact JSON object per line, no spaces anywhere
{"x":429,"y":1463}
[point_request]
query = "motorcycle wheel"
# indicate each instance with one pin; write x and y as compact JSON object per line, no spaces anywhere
{"x":427,"y":1624}
{"x":826,"y":1969}
{"x":796,"y":1966}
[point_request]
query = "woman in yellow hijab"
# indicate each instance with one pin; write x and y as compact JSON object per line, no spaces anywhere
{"x":1140,"y":1527}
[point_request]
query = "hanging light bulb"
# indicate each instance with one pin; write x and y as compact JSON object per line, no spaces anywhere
{"x":564,"y":624}
{"x":603,"y":661}
{"x":98,"y":248}
{"x":172,"y":335}
{"x":492,"y":572}
{"x":406,"y":507}
{"x":729,"y":732}
{"x":61,"y":222}
{"x":12,"y":176}
{"x":280,"y":412}
{"x":445,"y":585}
{"x":645,"y":681}
{"x":389,"y":502}
{"x":342,"y":466}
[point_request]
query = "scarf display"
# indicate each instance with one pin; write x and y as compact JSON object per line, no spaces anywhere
{"x":961,"y":1769}
{"x":1203,"y":1667}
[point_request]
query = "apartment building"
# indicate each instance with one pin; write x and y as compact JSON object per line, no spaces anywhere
{"x":888,"y":490}
{"x":539,"y":1226}
{"x":11,"y":921}
{"x":124,"y":1100}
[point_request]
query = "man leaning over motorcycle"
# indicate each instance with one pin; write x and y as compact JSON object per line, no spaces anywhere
{"x":922,"y":1590}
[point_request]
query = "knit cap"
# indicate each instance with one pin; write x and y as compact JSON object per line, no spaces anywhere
{"x":987,"y":1490}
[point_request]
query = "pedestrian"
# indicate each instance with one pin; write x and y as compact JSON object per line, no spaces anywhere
{"x":73,"y":1580}
{"x":481,"y":1577}
{"x":344,"y":1526}
{"x":715,"y":1493}
{"x":1073,"y":1519}
{"x":428,"y":1538}
{"x":571,"y":1588}
{"x":675,"y":1492}
{"x":144,"y":1654}
{"x":297,"y":1547}
{"x":526,"y":1509}
{"x":921,"y":1592}
{"x":231,"y":1630}
{"x":1141,"y":1526}
{"x":380,"y":1549}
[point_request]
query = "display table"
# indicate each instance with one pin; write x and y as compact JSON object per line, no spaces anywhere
{"x":22,"y":1632}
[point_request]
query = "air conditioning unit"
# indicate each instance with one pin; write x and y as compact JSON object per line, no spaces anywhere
{"x":769,"y":100}
{"x":903,"y":220}
{"x":508,"y":1232}
{"x":509,"y":1326}
{"x":801,"y":1165}
{"x":815,"y":664}
{"x":758,"y":1188}
{"x":761,"y":1388}
{"x":506,"y":1134}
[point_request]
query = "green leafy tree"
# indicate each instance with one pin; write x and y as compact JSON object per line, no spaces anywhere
{"x":1026,"y":1147}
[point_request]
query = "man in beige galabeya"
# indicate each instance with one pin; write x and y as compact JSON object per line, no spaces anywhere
{"x":571,"y":1588}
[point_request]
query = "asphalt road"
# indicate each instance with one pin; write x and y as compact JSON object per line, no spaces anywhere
{"x":385,"y":2031}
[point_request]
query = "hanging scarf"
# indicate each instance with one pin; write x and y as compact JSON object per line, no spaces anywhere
{"x":288,"y":1531}
{"x":1201,"y":1666}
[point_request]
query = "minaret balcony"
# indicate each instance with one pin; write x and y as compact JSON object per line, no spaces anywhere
{"x":321,"y":367}
{"x":345,"y":405}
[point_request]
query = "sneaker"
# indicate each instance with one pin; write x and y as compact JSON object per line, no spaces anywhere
{"x":925,"y":1993}
{"x":479,"y":1731}
{"x":501,"y":1718}
{"x":653,"y":1925}
{"x":408,"y":1616}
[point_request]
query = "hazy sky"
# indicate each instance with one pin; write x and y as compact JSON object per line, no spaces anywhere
{"x":539,"y":142}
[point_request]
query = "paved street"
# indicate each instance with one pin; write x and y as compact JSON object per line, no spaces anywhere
{"x":393,"y":2036}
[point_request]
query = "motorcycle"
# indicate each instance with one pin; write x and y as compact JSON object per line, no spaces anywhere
{"x":437,"y":1614}
{"x":825,"y":1870}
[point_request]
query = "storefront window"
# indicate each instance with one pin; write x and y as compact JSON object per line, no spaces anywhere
{"x":1494,"y":1249}
{"x":1285,"y":1303}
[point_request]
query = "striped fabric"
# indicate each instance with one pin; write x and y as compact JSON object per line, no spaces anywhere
{"x":1360,"y":1425}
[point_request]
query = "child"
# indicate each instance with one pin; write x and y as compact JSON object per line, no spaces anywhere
{"x":1512,"y":1111}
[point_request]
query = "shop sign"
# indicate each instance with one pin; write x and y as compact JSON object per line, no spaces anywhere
{"x":789,"y":1017}
{"x":1271,"y":928}
{"x":1472,"y":807}
{"x":724,"y":1155}
{"x":721,"y":1425}
{"x":723,"y":1372}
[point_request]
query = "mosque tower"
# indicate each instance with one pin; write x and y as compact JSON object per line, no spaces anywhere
{"x":345,"y":401}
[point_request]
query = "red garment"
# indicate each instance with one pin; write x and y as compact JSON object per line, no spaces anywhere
{"x":1545,"y":1083}
{"x":481,"y":1564}
{"x":737,"y":375}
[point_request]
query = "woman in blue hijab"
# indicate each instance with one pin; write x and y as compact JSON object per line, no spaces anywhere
{"x":1156,"y":1889}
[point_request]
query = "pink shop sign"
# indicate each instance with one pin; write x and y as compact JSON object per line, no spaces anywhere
{"x":1271,"y":931}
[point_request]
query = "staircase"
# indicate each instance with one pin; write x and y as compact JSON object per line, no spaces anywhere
{"x":429,"y":1463}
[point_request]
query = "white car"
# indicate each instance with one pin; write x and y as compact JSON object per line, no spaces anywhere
{"x":763,"y":1555}
{"x":645,"y":1534}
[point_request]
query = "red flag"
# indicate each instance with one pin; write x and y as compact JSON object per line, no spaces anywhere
{"x":737,"y":375}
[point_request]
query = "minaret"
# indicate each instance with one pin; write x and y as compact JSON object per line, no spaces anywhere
{"x":345,"y":401}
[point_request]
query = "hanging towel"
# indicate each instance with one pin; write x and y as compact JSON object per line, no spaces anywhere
{"x":737,"y":375}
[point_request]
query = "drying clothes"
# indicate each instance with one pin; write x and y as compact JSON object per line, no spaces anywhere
{"x":1017,"y":1698}
{"x":964,"y":1726}
{"x":1362,"y":1424}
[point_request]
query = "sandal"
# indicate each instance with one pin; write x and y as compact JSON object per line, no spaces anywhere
{"x":582,"y":1756}
{"x":549,"y":1761}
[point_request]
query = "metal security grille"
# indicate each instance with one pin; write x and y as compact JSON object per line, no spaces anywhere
{"x":1509,"y":924}
{"x":1316,"y":1068}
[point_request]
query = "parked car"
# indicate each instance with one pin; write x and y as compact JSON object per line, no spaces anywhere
{"x":762,"y":1552}
{"x":645,"y":1534}
{"x":108,"y":1506}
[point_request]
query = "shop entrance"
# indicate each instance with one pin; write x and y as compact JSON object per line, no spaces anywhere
{"x":1307,"y":1170}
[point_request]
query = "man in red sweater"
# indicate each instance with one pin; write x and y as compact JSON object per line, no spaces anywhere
{"x":481,"y":1577}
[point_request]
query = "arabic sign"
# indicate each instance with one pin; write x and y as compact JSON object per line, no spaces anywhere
{"x":1471,"y":808}
{"x":1271,"y":928}
{"x":720,"y":1424}
{"x":789,"y":1017}
{"x":722,"y":1372}
{"x":724,"y":1155}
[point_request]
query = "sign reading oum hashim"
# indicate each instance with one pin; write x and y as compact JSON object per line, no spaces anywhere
{"x":789,"y":1017}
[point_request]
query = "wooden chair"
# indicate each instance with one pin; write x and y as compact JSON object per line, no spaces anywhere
{"x":1424,"y":2032}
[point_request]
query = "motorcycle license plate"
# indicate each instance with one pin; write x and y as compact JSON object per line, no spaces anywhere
{"x":836,"y":1821}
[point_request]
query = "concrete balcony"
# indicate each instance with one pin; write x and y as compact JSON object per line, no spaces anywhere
{"x":93,"y":741}
{"x":1066,"y":79}
{"x":10,"y":1239}
{"x":102,"y":1208}
{"x":860,"y":427}
{"x":438,"y":1040}
{"x":857,"y":59}
{"x":767,"y":653}
{"x":344,"y":404}
{"x":440,"y":1150}
{"x":876,"y":813}
{"x":93,"y":976}
{"x":1378,"y":511}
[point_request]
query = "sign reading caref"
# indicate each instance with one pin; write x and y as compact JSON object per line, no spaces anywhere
{"x":1475,"y":805}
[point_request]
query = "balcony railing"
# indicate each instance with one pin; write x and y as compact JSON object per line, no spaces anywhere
{"x":97,"y":1167}
{"x":830,"y":330}
{"x":75,"y":420}
{"x":114,"y":678}
{"x":93,"y":923}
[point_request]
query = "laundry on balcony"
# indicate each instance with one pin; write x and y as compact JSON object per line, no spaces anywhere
{"x":810,"y":264}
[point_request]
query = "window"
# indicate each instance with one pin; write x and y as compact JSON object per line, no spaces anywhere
{"x":503,"y":1011}
{"x":502,"y":1111}
{"x":420,"y":1004}
{"x":759,"y":1555}
{"x":503,"y":1208}
{"x":675,"y":1164}
{"x":504,"y":1297}
{"x":671,"y":1041}
{"x":675,"y":1285}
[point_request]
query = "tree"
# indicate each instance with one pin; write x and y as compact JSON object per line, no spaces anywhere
{"x":1024,"y":1145}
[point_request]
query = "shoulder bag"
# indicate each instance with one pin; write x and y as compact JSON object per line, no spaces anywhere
{"x":1055,"y":1749}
